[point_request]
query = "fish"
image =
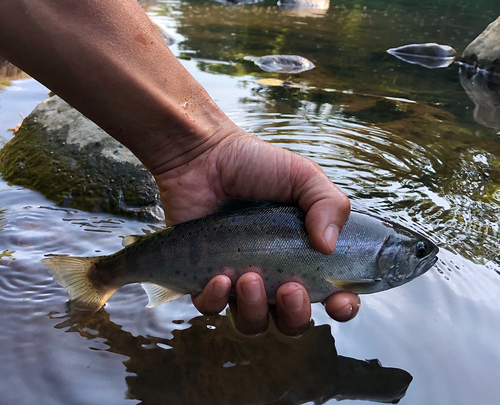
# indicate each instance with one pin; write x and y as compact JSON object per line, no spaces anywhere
{"x":372,"y":255}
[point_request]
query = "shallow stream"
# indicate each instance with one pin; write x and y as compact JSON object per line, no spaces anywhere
{"x":399,"y":139}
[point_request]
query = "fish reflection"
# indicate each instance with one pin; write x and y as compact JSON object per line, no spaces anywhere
{"x":212,"y":363}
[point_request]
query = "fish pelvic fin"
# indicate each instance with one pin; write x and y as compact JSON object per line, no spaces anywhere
{"x":158,"y":294}
{"x":359,"y":286}
{"x":73,"y":274}
{"x":130,"y":239}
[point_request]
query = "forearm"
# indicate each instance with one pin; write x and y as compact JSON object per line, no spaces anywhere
{"x":107,"y":60}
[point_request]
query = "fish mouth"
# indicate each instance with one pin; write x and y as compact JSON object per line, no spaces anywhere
{"x":426,"y":263}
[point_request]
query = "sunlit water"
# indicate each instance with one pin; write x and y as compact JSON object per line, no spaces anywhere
{"x":401,"y":142}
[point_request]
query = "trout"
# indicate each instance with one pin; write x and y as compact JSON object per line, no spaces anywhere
{"x":372,"y":254}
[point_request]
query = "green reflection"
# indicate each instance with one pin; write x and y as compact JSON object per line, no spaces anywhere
{"x":347,"y":43}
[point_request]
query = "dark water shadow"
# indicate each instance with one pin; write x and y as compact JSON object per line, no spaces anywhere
{"x":212,"y":363}
{"x":483,"y":89}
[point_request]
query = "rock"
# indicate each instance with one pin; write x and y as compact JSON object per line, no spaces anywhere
{"x":65,"y":156}
{"x":430,"y":55}
{"x":279,"y":83}
{"x":282,"y":63}
{"x":484,"y":51}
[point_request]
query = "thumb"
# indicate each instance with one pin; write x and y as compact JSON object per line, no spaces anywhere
{"x":326,"y":206}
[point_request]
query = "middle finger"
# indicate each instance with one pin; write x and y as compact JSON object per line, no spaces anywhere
{"x":253,"y":310}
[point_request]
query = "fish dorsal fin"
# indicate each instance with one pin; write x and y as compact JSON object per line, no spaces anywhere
{"x":128,"y":240}
{"x":230,"y":205}
{"x":363,"y":285}
{"x":158,"y":294}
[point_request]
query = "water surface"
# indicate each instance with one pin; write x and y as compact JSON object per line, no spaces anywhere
{"x":399,"y":139}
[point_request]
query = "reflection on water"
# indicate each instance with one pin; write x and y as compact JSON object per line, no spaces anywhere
{"x":399,"y":139}
{"x":484,"y":90}
{"x":212,"y":363}
{"x":394,"y":157}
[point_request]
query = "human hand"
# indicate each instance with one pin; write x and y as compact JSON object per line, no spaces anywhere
{"x":242,"y":165}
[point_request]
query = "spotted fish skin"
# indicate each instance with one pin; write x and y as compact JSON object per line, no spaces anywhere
{"x":270,"y":239}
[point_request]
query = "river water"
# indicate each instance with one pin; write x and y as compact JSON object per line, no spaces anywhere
{"x":401,"y":140}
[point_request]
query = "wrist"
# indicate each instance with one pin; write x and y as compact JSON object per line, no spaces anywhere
{"x":180,"y":134}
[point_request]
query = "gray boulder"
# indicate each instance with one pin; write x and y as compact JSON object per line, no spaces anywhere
{"x":65,"y":156}
{"x":484,"y":51}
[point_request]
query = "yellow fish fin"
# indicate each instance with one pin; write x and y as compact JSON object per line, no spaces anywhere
{"x":128,"y":240}
{"x":158,"y":294}
{"x":73,"y":274}
{"x":358,"y":286}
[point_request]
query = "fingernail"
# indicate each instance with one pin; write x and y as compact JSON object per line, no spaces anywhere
{"x":331,"y":235}
{"x":294,"y":301}
{"x":345,"y":310}
{"x":251,"y":290}
{"x":221,"y":288}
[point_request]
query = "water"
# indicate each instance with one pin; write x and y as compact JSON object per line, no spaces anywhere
{"x":399,"y":139}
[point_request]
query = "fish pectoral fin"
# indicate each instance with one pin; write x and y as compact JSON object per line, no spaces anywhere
{"x":128,"y":240}
{"x":363,"y":285}
{"x":158,"y":294}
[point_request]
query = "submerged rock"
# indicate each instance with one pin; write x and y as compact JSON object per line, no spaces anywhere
{"x":65,"y":156}
{"x":305,"y":8}
{"x":279,"y":83}
{"x":484,"y":51}
{"x":430,"y":55}
{"x":282,"y":63}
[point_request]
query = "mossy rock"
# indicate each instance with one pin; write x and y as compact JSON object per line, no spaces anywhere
{"x":60,"y":153}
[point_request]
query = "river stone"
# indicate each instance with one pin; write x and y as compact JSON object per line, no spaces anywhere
{"x":484,"y":51}
{"x":282,"y":63}
{"x":69,"y":159}
{"x":429,"y":55}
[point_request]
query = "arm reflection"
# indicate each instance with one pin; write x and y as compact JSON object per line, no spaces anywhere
{"x":212,"y":363}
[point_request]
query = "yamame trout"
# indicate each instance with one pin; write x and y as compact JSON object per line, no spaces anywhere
{"x":372,"y":255}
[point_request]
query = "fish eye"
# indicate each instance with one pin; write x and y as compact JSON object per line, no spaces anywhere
{"x":421,"y":249}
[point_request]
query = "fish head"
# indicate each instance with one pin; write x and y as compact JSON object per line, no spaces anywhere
{"x":404,"y":256}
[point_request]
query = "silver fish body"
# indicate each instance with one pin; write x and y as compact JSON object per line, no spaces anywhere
{"x":371,"y":255}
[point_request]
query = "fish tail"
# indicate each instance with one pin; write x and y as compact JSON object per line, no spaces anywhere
{"x":73,"y":273}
